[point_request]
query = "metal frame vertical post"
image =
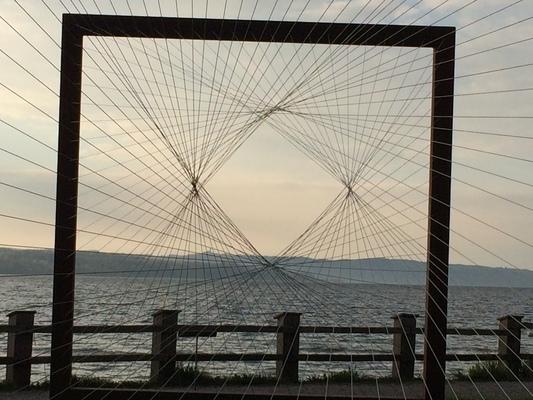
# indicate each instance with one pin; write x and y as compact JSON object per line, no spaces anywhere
{"x":66,"y":209}
{"x":439,"y":219}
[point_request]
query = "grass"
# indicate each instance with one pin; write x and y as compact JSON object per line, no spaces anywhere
{"x":90,"y":381}
{"x":4,"y":386}
{"x":184,"y":376}
{"x":244,"y":379}
{"x":495,"y":371}
{"x":347,"y":376}
{"x":188,"y":375}
{"x":78,"y":381}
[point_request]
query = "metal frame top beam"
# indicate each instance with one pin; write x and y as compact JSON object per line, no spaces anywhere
{"x":259,"y":31}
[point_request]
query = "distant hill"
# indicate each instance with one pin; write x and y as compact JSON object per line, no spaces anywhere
{"x":378,"y":270}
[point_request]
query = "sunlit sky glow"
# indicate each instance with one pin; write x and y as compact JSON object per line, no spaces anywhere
{"x":270,"y":189}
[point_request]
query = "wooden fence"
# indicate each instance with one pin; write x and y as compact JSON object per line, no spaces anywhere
{"x":166,"y":331}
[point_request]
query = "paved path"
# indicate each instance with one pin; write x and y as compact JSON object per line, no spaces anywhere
{"x":461,"y":390}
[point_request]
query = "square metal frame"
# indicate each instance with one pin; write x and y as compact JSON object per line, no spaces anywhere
{"x":76,"y":26}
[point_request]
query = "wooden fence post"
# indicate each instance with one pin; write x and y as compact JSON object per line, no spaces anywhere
{"x":403,"y":346}
{"x":509,"y":342}
{"x":288,"y":347}
{"x":164,"y":340}
{"x":19,"y":348}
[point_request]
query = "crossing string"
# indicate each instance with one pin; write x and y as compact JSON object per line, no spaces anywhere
{"x":154,"y":148}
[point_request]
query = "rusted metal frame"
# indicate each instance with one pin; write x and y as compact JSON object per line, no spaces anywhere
{"x":441,"y":39}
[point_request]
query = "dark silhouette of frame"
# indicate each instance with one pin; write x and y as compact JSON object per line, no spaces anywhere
{"x":75,"y":27}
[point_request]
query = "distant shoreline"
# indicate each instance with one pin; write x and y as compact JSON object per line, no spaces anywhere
{"x":377,"y":271}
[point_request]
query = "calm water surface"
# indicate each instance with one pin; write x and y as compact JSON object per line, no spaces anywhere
{"x":255,"y":300}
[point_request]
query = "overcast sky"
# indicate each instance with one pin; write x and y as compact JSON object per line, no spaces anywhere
{"x":270,"y":188}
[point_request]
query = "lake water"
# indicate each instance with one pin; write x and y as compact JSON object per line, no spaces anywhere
{"x":255,"y":299}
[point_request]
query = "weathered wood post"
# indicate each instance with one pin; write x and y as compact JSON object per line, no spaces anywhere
{"x":19,"y":348}
{"x":164,"y":340}
{"x":509,"y":341}
{"x":288,"y":346}
{"x":403,"y":346}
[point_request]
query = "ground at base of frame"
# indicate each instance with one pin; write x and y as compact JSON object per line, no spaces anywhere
{"x":409,"y":390}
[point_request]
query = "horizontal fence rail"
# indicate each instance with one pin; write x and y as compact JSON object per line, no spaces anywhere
{"x":166,"y":332}
{"x":230,"y":328}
